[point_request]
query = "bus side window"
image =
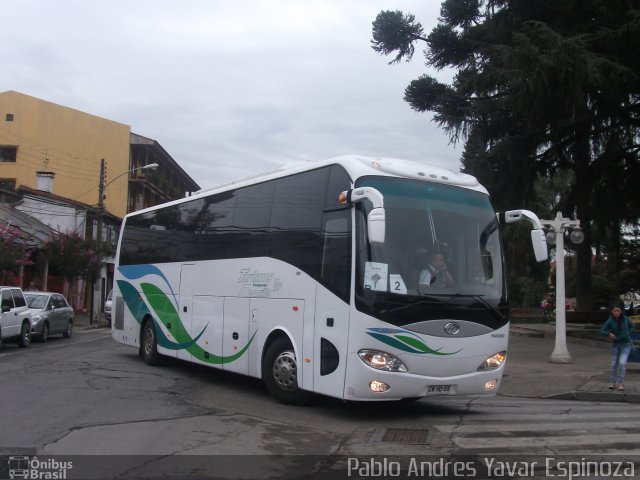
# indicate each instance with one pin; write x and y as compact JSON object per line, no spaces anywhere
{"x":251,"y":219}
{"x":335,"y":271}
{"x":336,"y":253}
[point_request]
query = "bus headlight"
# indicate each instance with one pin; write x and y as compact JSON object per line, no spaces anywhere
{"x":382,"y":361}
{"x":493,"y":362}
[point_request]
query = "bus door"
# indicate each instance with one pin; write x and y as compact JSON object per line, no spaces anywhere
{"x":331,"y":340}
{"x":331,"y":332}
{"x":236,"y":335}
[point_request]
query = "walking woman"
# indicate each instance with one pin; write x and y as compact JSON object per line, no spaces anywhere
{"x":618,"y":328}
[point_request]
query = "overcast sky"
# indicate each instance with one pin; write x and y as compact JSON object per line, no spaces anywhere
{"x":228,"y":88}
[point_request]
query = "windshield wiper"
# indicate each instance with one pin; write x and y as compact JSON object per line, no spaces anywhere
{"x":478,"y":298}
{"x":429,"y":300}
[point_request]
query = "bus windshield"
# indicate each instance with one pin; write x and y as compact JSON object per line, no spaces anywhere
{"x":441,"y":257}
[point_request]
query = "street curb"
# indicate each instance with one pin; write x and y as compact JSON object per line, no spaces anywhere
{"x":92,"y":327}
{"x":595,"y":396}
{"x":526,"y":332}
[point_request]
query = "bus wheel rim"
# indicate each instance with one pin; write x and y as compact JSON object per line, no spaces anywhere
{"x":285,"y":371}
{"x":148,"y":343}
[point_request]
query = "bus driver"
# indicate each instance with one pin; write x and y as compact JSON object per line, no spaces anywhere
{"x":436,"y":273}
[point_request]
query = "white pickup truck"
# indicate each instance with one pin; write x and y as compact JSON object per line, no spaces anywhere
{"x":15,"y":318}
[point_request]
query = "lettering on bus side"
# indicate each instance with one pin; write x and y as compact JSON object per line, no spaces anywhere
{"x":258,"y":284}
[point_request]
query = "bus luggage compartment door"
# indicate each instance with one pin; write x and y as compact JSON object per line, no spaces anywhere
{"x":235,"y":337}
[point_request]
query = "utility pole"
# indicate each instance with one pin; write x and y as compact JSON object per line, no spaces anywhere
{"x":100,"y":213}
{"x":98,"y":239}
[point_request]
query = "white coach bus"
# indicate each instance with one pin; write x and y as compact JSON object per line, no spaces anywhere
{"x":313,"y":279}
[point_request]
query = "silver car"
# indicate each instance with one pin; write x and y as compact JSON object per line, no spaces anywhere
{"x":51,"y":314}
{"x":107,"y":307}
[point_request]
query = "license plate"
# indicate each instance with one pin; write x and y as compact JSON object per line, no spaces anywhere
{"x":438,"y":389}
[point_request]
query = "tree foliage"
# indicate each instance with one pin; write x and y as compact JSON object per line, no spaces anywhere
{"x":396,"y":31}
{"x":630,"y":258}
{"x":71,"y":256}
{"x":540,"y":89}
{"x":14,"y":253}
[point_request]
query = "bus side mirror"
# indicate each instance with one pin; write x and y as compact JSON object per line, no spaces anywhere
{"x":376,"y":226}
{"x":539,"y":242}
{"x":376,"y":220}
{"x":538,"y":239}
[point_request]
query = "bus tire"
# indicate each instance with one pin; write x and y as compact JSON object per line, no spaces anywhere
{"x":280,"y":373}
{"x":149,"y":343}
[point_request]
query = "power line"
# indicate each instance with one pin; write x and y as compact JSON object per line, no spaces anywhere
{"x":44,"y":149}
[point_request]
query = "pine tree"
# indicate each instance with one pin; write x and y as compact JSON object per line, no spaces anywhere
{"x":540,"y":88}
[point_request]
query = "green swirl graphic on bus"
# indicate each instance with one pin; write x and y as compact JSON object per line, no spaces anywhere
{"x":405,"y":340}
{"x":165,"y":315}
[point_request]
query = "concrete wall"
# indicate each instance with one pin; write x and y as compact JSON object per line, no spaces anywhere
{"x":67,"y":142}
{"x":62,"y":218}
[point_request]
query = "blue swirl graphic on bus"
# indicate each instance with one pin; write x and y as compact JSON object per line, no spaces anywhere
{"x":405,"y":340}
{"x":152,"y":301}
{"x":139,"y":310}
{"x":136,"y":272}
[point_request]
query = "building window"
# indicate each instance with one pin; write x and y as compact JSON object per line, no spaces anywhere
{"x":8,"y":183}
{"x":8,"y":154}
{"x":9,"y":117}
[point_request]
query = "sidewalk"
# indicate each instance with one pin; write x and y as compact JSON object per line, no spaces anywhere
{"x":530,"y":373}
{"x":81,"y":322}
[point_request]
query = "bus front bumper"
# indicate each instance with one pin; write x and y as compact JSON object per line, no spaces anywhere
{"x":368,"y":384}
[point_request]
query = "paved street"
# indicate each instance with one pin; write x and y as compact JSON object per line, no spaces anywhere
{"x":91,"y":396}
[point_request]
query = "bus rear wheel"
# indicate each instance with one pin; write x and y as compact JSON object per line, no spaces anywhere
{"x":280,"y":373}
{"x":149,"y":344}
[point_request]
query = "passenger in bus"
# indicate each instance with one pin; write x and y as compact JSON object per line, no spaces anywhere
{"x":436,"y":273}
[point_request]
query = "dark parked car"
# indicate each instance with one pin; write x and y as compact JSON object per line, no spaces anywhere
{"x":51,"y":314}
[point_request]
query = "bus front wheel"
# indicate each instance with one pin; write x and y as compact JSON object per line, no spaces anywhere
{"x":280,"y":373}
{"x":149,"y":344}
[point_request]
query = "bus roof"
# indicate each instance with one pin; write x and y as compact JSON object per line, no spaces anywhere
{"x":356,"y":166}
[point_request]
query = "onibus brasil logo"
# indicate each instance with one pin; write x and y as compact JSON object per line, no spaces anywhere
{"x":24,"y":467}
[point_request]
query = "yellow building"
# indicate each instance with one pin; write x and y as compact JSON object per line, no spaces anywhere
{"x":40,"y":136}
{"x":54,"y":154}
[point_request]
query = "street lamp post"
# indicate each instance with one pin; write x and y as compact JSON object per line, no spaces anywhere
{"x":558,"y":227}
{"x":101,"y":188}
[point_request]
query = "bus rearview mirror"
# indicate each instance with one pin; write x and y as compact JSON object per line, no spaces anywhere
{"x":538,"y":239}
{"x":376,"y":223}
{"x":376,"y":226}
{"x":539,"y":242}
